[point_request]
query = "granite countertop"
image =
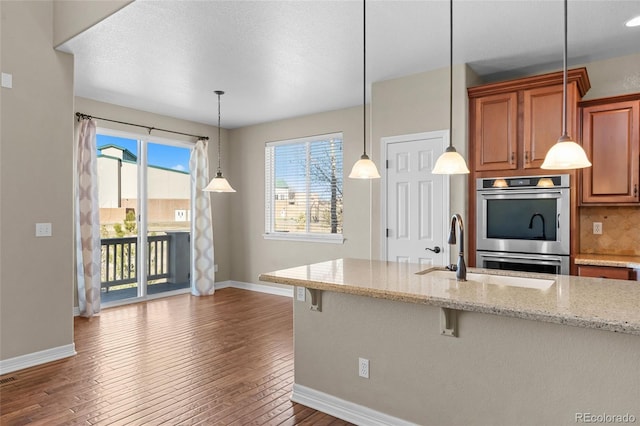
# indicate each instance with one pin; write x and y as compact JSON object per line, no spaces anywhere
{"x":618,"y":261}
{"x":577,"y":301}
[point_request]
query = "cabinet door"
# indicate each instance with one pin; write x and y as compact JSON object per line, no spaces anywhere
{"x":495,"y":130}
{"x":542,"y":121}
{"x":612,"y":142}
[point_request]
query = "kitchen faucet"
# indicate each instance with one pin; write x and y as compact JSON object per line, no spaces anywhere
{"x":461,"y":268}
{"x":544,"y":235}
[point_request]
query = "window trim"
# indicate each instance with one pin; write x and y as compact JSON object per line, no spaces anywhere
{"x":270,"y":194}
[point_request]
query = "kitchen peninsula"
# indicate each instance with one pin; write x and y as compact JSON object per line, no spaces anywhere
{"x":542,"y":356}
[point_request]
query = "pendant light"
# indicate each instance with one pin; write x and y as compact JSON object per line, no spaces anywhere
{"x":565,"y":154}
{"x":364,"y":168}
{"x":219,"y":183}
{"x":450,"y":162}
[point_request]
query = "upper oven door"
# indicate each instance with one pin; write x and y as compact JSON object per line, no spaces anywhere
{"x":523,"y":220}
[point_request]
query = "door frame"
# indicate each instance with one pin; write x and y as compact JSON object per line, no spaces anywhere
{"x":143,"y":142}
{"x":384,"y":142}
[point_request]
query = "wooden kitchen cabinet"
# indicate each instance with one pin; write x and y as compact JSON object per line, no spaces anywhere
{"x":611,"y":139}
{"x":606,"y":272}
{"x":495,"y":131}
{"x":542,"y":121}
{"x":514,"y":123}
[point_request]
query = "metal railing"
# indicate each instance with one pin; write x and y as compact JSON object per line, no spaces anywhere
{"x":119,"y":264}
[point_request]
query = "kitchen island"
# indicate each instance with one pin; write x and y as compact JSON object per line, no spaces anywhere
{"x":553,"y":354}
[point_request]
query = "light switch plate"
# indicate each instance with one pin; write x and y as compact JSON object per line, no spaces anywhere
{"x":300,"y":294}
{"x":43,"y":229}
{"x":7,"y":80}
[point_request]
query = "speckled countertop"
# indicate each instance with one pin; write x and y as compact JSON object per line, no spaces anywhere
{"x":618,"y":261}
{"x":599,"y":303}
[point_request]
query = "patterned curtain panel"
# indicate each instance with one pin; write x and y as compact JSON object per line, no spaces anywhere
{"x":202,"y":260}
{"x":87,"y":220}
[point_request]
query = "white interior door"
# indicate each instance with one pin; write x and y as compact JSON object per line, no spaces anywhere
{"x":417,"y":201}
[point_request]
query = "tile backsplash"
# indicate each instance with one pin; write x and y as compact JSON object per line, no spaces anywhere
{"x":620,"y":230}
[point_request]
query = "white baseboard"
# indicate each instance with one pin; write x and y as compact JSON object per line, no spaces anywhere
{"x":261,"y":288}
{"x":36,"y":358}
{"x":342,"y":409}
{"x":278,"y":291}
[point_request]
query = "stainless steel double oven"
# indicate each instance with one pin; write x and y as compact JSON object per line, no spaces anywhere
{"x":523,"y":223}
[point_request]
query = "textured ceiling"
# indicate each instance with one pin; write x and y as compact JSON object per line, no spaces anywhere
{"x":279,"y":59}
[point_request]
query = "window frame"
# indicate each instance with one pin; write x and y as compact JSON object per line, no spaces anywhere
{"x":270,"y":193}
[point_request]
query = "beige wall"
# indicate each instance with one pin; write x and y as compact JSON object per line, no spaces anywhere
{"x":71,"y":17}
{"x":36,"y":274}
{"x":420,"y":103}
{"x":251,"y":253}
{"x":500,"y":371}
{"x":612,"y":77}
{"x":220,"y":203}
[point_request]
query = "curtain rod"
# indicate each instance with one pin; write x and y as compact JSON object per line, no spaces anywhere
{"x":82,"y":116}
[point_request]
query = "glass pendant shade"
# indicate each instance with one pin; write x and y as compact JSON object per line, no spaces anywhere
{"x":500,"y":183}
{"x":450,"y":163}
{"x":219,"y":184}
{"x":364,"y":169}
{"x":545,"y":183}
{"x":565,"y":155}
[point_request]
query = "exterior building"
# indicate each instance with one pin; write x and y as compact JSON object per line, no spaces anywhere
{"x":169,"y":190}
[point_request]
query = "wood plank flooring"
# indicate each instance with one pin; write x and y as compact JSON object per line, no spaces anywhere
{"x":220,"y":360}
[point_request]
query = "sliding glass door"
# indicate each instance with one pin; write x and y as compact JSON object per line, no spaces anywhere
{"x":144,"y":199}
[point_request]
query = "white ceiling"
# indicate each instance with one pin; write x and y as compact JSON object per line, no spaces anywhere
{"x":279,"y":59}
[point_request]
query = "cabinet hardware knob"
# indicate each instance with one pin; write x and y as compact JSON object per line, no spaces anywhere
{"x":526,"y":156}
{"x":635,"y":190}
{"x":511,"y":161}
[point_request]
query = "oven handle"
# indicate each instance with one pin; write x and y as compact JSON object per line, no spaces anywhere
{"x":521,"y":194}
{"x":506,"y":258}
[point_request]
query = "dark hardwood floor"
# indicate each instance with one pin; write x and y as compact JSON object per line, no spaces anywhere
{"x":220,"y":360}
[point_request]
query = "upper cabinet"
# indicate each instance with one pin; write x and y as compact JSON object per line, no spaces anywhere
{"x":611,"y":139}
{"x":514,"y":123}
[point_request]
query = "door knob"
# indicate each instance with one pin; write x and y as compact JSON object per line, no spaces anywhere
{"x":436,"y":249}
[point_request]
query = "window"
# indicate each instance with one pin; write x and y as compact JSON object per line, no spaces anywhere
{"x":303,"y":191}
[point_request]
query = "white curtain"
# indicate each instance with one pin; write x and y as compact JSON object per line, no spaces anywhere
{"x":87,"y":220}
{"x":202,"y":259}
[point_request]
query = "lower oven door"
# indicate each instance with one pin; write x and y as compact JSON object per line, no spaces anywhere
{"x":543,"y":263}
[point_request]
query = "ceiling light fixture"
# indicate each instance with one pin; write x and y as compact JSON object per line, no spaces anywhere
{"x":219,"y":183}
{"x":364,"y":168}
{"x":565,"y":154}
{"x":450,"y":162}
{"x":633,"y":22}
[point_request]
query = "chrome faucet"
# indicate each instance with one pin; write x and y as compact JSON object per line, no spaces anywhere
{"x":533,"y":216}
{"x":461,"y":268}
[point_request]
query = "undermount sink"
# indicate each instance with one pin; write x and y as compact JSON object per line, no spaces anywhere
{"x":537,"y":283}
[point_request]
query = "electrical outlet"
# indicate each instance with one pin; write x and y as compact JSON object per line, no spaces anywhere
{"x":597,"y":228}
{"x":363,"y":368}
{"x":43,"y":229}
{"x":300,"y":294}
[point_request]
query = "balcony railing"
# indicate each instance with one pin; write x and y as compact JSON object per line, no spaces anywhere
{"x":168,"y":260}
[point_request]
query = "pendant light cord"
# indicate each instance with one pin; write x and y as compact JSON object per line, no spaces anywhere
{"x":364,"y":77}
{"x":219,"y":93}
{"x":564,"y":77}
{"x":451,"y":74}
